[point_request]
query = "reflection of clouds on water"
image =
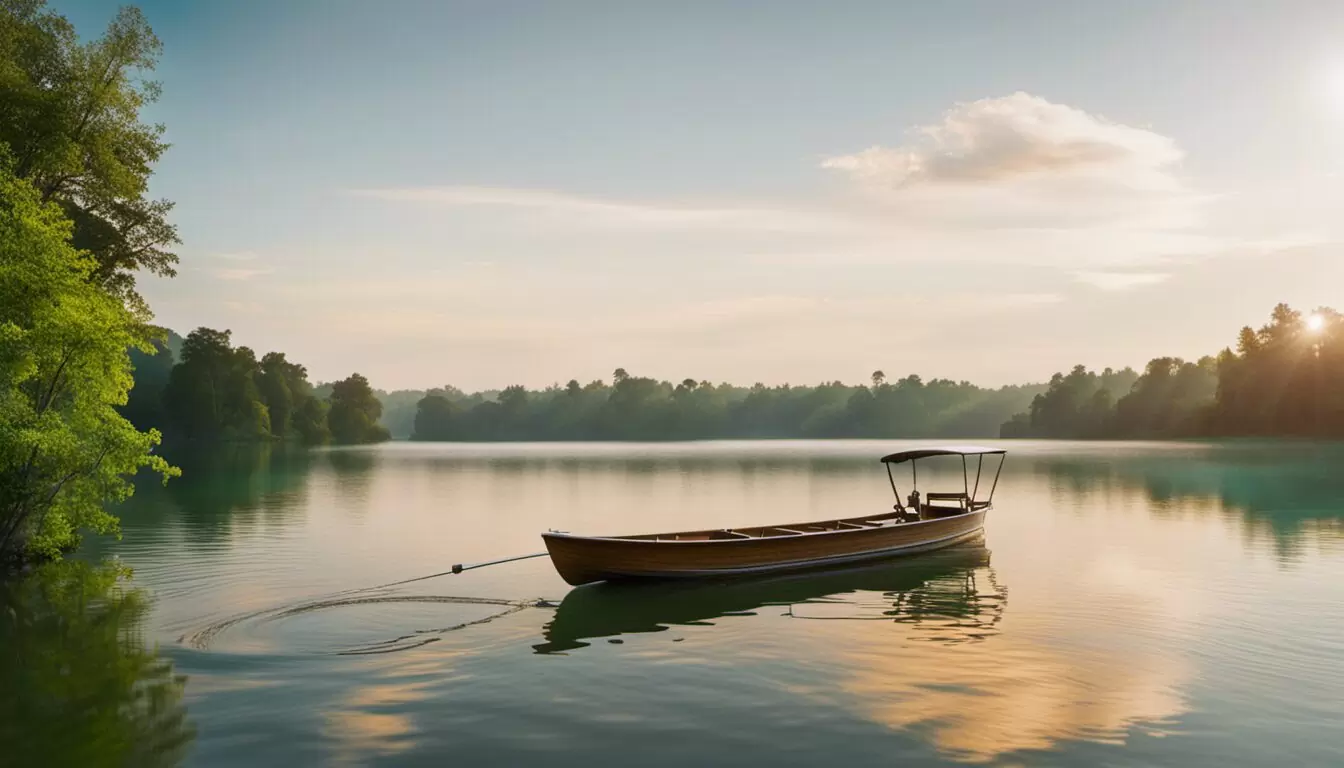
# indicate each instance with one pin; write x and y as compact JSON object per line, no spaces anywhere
{"x":375,"y":719}
{"x":978,"y":702}
{"x":382,"y":713}
{"x":1024,"y":688}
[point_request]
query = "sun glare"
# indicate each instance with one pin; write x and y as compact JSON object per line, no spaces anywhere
{"x":1315,"y":323}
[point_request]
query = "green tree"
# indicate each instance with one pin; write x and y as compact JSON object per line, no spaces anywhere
{"x":212,"y":393}
{"x":288,"y":397}
{"x":638,"y":408}
{"x":1077,"y":405}
{"x":275,"y":387}
{"x":144,"y":407}
{"x":435,"y":418}
{"x":1282,"y":380}
{"x":353,"y":416}
{"x":310,"y":421}
{"x":1171,"y":399}
{"x":64,"y":370}
{"x":70,"y":113}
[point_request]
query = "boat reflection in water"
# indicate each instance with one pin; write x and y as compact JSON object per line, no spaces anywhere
{"x":950,"y":593}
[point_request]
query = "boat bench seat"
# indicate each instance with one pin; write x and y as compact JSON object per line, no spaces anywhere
{"x":946,"y":497}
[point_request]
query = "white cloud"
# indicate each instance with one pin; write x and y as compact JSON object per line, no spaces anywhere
{"x":570,"y":209}
{"x":1120,"y":281}
{"x":1019,"y":137}
{"x":1022,"y":180}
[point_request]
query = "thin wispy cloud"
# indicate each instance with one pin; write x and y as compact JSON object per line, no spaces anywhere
{"x":1011,"y":180}
{"x":571,"y":209}
{"x":241,"y":273}
{"x":236,"y":256}
{"x":243,"y":307}
{"x":1120,"y":281}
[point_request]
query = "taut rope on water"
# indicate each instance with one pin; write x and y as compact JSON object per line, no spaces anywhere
{"x":457,"y":568}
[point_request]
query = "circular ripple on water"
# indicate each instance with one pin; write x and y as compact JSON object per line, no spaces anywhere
{"x":352,"y":625}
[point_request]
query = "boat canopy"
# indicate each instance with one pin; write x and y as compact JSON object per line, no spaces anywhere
{"x":950,"y":450}
{"x":968,"y":499}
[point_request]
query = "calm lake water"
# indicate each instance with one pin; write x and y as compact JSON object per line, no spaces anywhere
{"x":1131,"y":604}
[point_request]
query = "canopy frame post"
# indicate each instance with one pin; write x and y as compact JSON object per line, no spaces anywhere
{"x":1002,"y":458}
{"x":980,"y":465}
{"x":892,"y":479}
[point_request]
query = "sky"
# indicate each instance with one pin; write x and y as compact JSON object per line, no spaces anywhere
{"x":492,"y":193}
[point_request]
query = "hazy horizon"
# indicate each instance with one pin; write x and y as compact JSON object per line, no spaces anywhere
{"x":524,"y":193}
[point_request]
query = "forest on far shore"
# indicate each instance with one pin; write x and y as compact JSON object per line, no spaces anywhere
{"x":202,"y":388}
{"x":1280,"y":380}
{"x":1273,"y":383}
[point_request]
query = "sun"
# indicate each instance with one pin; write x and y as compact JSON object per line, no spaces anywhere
{"x":1315,"y":323}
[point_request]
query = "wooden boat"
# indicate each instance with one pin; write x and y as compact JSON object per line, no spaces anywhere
{"x":916,"y":525}
{"x":937,"y":589}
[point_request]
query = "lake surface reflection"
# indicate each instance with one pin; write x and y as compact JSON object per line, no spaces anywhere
{"x":1129,"y":604}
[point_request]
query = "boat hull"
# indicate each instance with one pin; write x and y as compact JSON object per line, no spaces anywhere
{"x":937,"y":587}
{"x":583,"y":560}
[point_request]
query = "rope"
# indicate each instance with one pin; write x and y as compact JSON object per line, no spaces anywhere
{"x":458,"y":568}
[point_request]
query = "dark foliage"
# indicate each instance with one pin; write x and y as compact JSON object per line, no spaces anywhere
{"x":1273,"y":384}
{"x":354,"y":413}
{"x":218,"y":392}
{"x":637,"y":408}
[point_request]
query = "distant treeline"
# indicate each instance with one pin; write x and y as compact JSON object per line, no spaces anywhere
{"x":202,"y":388}
{"x":1281,"y":380}
{"x":638,"y":408}
{"x":1273,"y":384}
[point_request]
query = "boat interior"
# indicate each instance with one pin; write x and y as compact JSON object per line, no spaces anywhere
{"x":935,"y":506}
{"x":912,"y":509}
